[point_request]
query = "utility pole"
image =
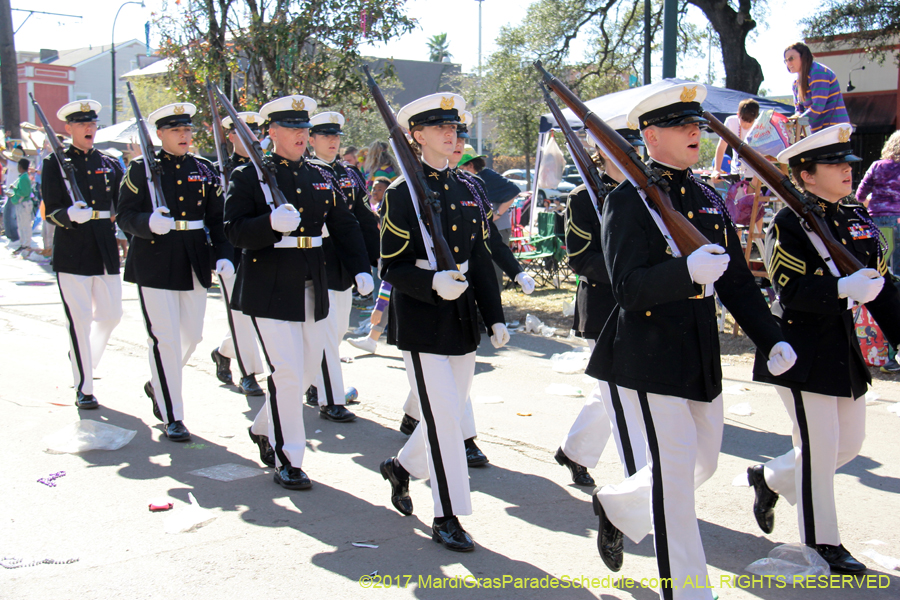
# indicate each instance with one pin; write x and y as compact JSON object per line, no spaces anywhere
{"x":648,"y":41}
{"x":9,"y":72}
{"x":480,"y":145}
{"x":670,"y":37}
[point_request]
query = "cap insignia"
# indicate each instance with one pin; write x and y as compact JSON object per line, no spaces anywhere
{"x":85,"y":107}
{"x":334,"y":119}
{"x":250,"y":119}
{"x":297,"y":104}
{"x":688,"y":94}
{"x":446,"y":103}
{"x":844,"y":135}
{"x":179,"y":109}
{"x":631,"y":125}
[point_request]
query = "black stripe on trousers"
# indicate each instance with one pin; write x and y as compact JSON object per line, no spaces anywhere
{"x":157,"y":358}
{"x":73,"y":336}
{"x":234,"y":337}
{"x":326,"y":378}
{"x":439,"y":477}
{"x":622,"y":426}
{"x":278,"y":446}
{"x":660,"y":534}
{"x":806,"y":496}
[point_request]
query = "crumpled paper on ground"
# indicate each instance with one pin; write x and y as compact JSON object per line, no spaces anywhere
{"x":790,"y":560}
{"x":535,"y":325}
{"x":190,"y":518}
{"x":85,"y":435}
{"x":574,"y":361}
{"x":888,"y":562}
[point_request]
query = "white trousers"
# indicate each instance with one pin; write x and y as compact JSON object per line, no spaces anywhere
{"x":240,"y":327}
{"x":292,"y":350}
{"x":435,"y":450}
{"x":828,"y":433}
{"x":174,"y":321}
{"x":93,"y":307}
{"x":330,"y":380}
{"x":24,"y":222}
{"x":467,"y":425}
{"x":684,"y":438}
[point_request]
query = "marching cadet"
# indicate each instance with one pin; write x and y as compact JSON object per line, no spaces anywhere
{"x":823,"y":392}
{"x":662,"y":346}
{"x":169,"y":255}
{"x":282,"y":284}
{"x":85,"y":255}
{"x":240,"y":341}
{"x":350,"y":189}
{"x":433,"y":320}
{"x":603,"y":412}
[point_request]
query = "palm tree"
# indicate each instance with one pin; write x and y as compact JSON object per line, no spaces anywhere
{"x":437,"y":48}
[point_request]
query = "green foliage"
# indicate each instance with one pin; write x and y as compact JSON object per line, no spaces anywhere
{"x":151,"y":93}
{"x":438,"y":48}
{"x":873,"y":23}
{"x":707,"y":153}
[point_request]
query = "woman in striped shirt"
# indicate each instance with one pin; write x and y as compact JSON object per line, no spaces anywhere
{"x":817,"y":93}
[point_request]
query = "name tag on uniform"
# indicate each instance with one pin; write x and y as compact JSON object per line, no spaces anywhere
{"x":196,"y":178}
{"x":346,"y":183}
{"x":321,"y":186}
{"x":471,"y":203}
{"x":710,"y":210}
{"x":861,"y":232}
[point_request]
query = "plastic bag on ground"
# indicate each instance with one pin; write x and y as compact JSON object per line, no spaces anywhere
{"x":190,"y":518}
{"x":790,"y":560}
{"x":568,"y":308}
{"x":571,"y":362}
{"x":888,"y":562}
{"x":533,"y":324}
{"x":85,"y":435}
{"x":562,"y":389}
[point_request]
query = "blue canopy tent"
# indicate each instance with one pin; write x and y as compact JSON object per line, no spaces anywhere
{"x":721,"y":102}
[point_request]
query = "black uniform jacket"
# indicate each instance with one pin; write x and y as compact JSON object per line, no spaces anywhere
{"x":661,"y":340}
{"x":594,"y":299}
{"x":348,"y":191}
{"x":87,"y":248}
{"x":818,"y":324}
{"x":192,"y":193}
{"x":501,"y":253}
{"x":271,"y":281}
{"x":422,"y":321}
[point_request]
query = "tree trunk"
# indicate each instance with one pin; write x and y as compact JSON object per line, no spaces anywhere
{"x":9,"y":72}
{"x":742,"y":71}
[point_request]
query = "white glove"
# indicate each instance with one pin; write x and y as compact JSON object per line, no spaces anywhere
{"x":707,"y":263}
{"x":160,"y":223}
{"x":449,"y":285}
{"x":501,"y":335}
{"x":526,"y":281}
{"x":364,"y":284}
{"x":862,"y":286}
{"x":224,"y":267}
{"x":781,"y":358}
{"x":79,"y":212}
{"x":285,"y":218}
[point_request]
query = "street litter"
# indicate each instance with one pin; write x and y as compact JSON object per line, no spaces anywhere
{"x":228,"y":472}
{"x":85,"y":435}
{"x":742,"y":410}
{"x":365,"y":326}
{"x":872,"y":397}
{"x":191,"y":518}
{"x":160,"y":505}
{"x":346,"y":359}
{"x":524,"y":414}
{"x":791,"y":560}
{"x":741,"y":480}
{"x":535,"y":325}
{"x":574,"y":361}
{"x":49,"y":479}
{"x":562,"y":389}
{"x":364,"y":545}
{"x":10,"y":562}
{"x":568,"y":308}
{"x":888,"y":562}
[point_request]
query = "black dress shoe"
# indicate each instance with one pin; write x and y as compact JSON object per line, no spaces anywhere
{"x":580,"y":475}
{"x":764,"y":503}
{"x":250,"y":387}
{"x":474,"y":456}
{"x":839,"y":559}
{"x":223,"y":367}
{"x":177,"y":432}
{"x":292,"y":478}
{"x":452,"y":536}
{"x":312,"y":396}
{"x":408,"y":425}
{"x":148,"y":389}
{"x":266,"y":451}
{"x":336,"y":413}
{"x":610,"y":540}
{"x":399,"y":487}
{"x":85,"y":401}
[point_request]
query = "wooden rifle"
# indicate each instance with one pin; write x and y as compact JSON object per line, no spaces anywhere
{"x":65,"y":163}
{"x":620,"y":151}
{"x":151,"y":164}
{"x":428,"y":200}
{"x":811,"y":213}
{"x":223,"y":159}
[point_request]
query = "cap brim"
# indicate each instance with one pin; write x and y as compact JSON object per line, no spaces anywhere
{"x":292,"y":125}
{"x":686,"y":120}
{"x":848,"y":158}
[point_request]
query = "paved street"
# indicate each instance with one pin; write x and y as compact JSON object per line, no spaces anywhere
{"x":529,"y":521}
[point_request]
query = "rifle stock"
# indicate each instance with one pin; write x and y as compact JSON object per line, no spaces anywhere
{"x":586,"y":167}
{"x":151,"y":164}
{"x":782,"y":186}
{"x":219,"y":136}
{"x":264,"y":167}
{"x":65,"y":164}
{"x":415,"y":177}
{"x":620,"y":151}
